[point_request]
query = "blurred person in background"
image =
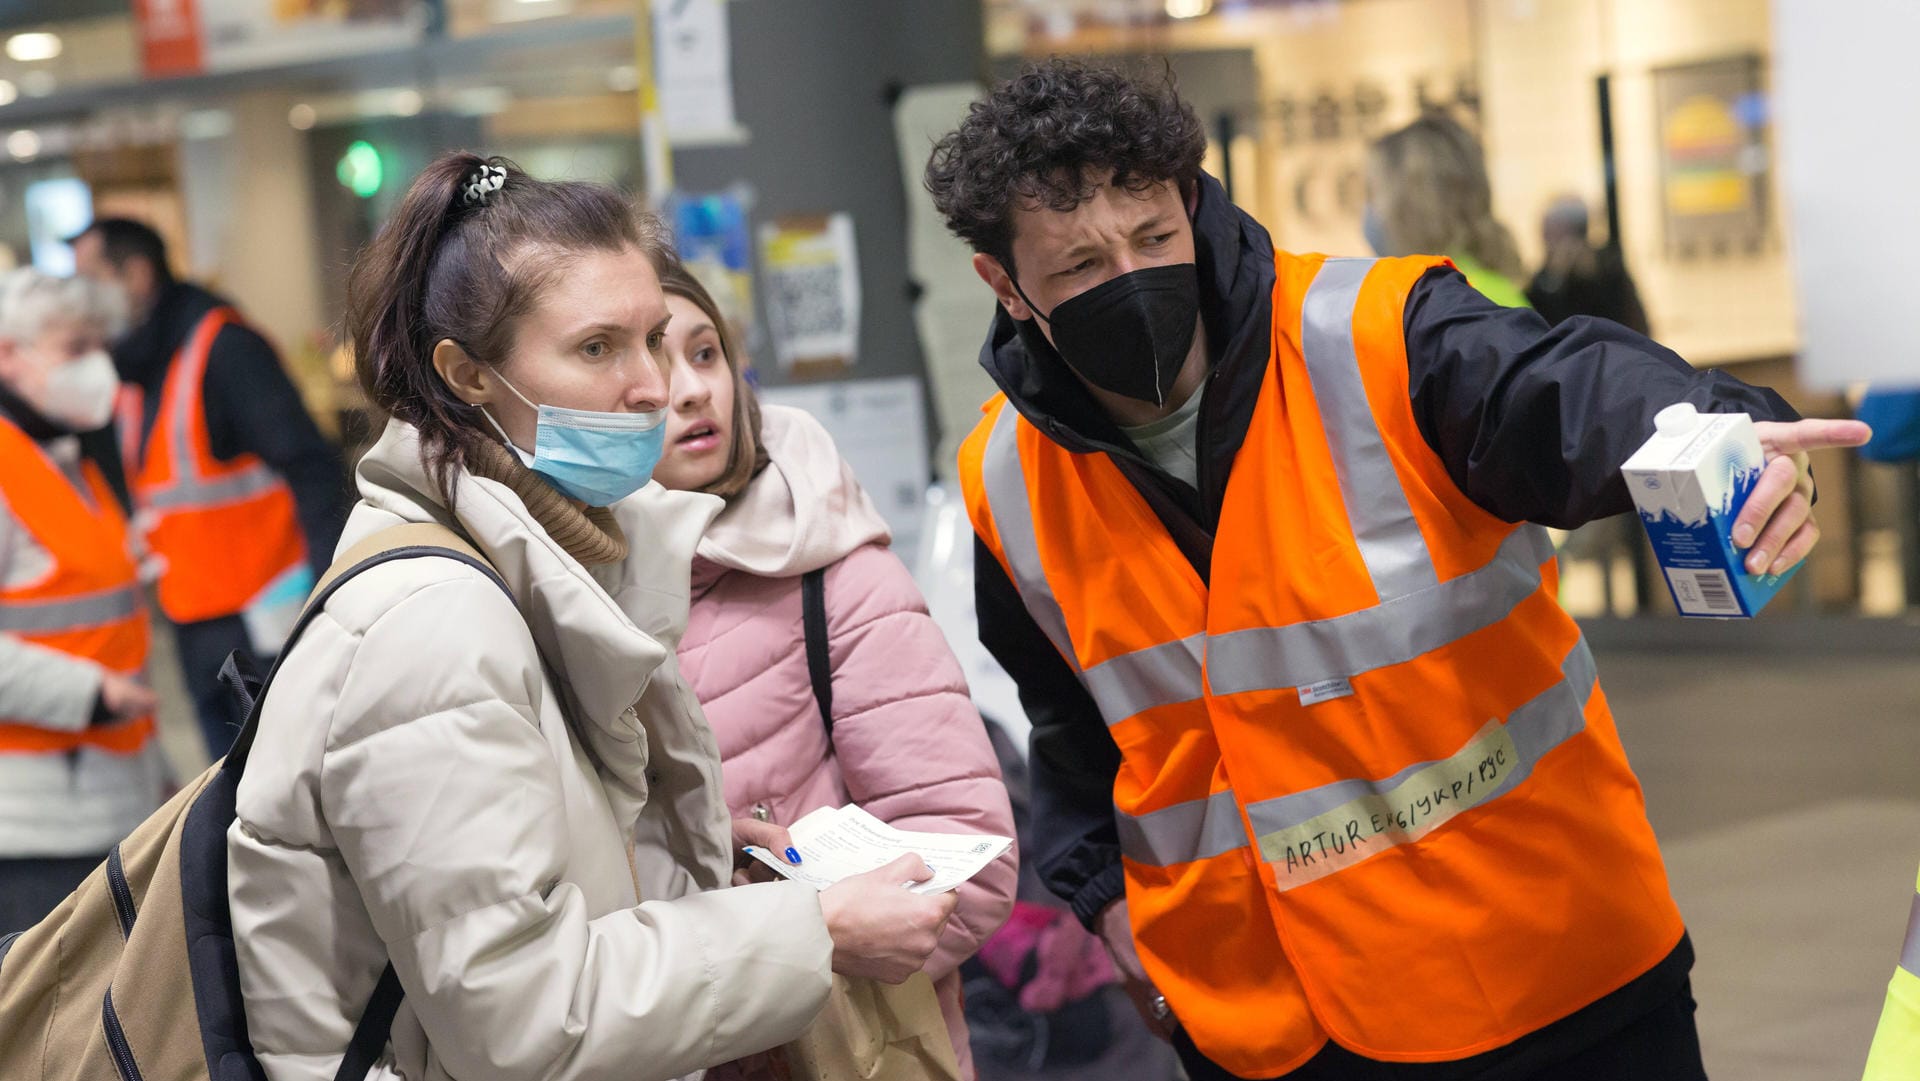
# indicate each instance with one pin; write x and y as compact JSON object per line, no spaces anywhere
{"x":239,"y":496}
{"x":79,"y":765}
{"x":1577,"y":278}
{"x":513,"y":799}
{"x":906,"y":743}
{"x":1427,"y":193}
{"x":1258,"y":537}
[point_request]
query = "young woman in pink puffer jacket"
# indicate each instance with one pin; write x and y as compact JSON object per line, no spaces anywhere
{"x":907,"y":743}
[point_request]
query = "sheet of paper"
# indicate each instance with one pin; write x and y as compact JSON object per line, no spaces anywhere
{"x":840,"y":842}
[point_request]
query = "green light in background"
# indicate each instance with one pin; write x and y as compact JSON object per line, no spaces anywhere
{"x":360,"y":169}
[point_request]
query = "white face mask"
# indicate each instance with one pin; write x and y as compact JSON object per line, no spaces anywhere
{"x":80,"y":393}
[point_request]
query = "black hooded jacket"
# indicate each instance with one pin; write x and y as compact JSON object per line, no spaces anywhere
{"x":251,"y":408}
{"x":1533,"y":423}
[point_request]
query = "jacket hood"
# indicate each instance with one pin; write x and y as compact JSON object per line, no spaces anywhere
{"x":1234,"y":261}
{"x":605,"y":633}
{"x":803,"y":512}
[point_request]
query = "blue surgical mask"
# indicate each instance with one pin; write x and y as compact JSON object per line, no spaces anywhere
{"x":597,"y":458}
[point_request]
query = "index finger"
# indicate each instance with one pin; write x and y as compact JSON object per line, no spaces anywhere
{"x":1803,"y":435}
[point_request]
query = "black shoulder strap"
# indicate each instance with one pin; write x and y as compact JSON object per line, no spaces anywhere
{"x":376,"y":1022}
{"x":813,"y":618}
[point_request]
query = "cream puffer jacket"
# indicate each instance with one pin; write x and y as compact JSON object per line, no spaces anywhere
{"x":421,"y":790}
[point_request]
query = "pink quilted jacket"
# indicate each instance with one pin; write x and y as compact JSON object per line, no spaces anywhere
{"x":907,"y":743}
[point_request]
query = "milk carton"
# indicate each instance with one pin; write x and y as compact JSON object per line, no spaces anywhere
{"x":1689,"y":482}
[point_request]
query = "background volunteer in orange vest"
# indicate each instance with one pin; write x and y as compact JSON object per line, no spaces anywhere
{"x":79,"y":767}
{"x":1314,"y":748}
{"x":239,"y":495}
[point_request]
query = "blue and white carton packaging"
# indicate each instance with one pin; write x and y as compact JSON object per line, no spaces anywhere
{"x":1689,"y":481}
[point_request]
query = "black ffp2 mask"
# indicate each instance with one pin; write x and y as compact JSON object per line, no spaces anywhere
{"x":1130,"y":335}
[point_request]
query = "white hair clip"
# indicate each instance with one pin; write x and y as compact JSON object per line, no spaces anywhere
{"x":483,"y":182}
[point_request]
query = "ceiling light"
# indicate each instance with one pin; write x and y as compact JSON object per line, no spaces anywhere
{"x":24,"y":144}
{"x":624,"y":79}
{"x":1188,"y":9}
{"x":28,"y":48}
{"x":302,"y":116}
{"x":9,"y":93}
{"x":406,"y":103}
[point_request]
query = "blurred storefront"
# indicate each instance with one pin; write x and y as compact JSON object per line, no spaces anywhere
{"x":268,"y":138}
{"x":266,"y":141}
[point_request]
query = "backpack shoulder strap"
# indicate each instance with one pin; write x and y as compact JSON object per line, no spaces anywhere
{"x":410,"y":541}
{"x":813,"y":620}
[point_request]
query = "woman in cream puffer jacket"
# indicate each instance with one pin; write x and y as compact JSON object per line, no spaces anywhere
{"x":452,"y":779}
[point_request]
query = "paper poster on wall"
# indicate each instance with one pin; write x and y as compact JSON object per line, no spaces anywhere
{"x":880,"y":427}
{"x":710,"y":233}
{"x":693,"y":63}
{"x":811,"y":274}
{"x":191,"y":37}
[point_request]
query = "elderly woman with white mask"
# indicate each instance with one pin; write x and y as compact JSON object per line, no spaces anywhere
{"x":79,"y":766}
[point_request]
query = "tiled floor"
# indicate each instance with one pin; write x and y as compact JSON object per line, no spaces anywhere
{"x":1786,"y":791}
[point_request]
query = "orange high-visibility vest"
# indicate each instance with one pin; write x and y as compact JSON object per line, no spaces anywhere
{"x":1371,"y":791}
{"x":88,"y":603}
{"x":226,"y":530}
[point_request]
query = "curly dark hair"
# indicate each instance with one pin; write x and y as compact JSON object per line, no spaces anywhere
{"x":1049,"y":137}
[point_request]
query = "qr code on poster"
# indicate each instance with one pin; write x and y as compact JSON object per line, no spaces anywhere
{"x":808,"y":301}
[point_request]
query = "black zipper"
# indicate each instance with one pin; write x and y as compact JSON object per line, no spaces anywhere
{"x":122,"y":893}
{"x":117,"y":1041}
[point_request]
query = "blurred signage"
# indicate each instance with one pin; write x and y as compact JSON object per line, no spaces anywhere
{"x":56,"y":210}
{"x":1713,"y":156}
{"x":192,"y":37}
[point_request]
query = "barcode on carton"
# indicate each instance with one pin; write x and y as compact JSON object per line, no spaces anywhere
{"x":1704,"y":593}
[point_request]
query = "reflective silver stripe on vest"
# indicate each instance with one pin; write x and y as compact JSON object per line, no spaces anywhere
{"x":1274,"y":658}
{"x":1910,"y":953}
{"x":1006,"y":487}
{"x":1309,"y":835}
{"x":1195,"y":830}
{"x":186,"y":393}
{"x":69,"y":613}
{"x":190,"y":491}
{"x":1156,"y":676}
{"x":1383,"y":523}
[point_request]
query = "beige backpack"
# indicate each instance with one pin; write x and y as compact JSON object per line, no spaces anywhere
{"x":134,"y":976}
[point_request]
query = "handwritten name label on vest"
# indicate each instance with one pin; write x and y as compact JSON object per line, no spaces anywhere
{"x":1370,"y":824}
